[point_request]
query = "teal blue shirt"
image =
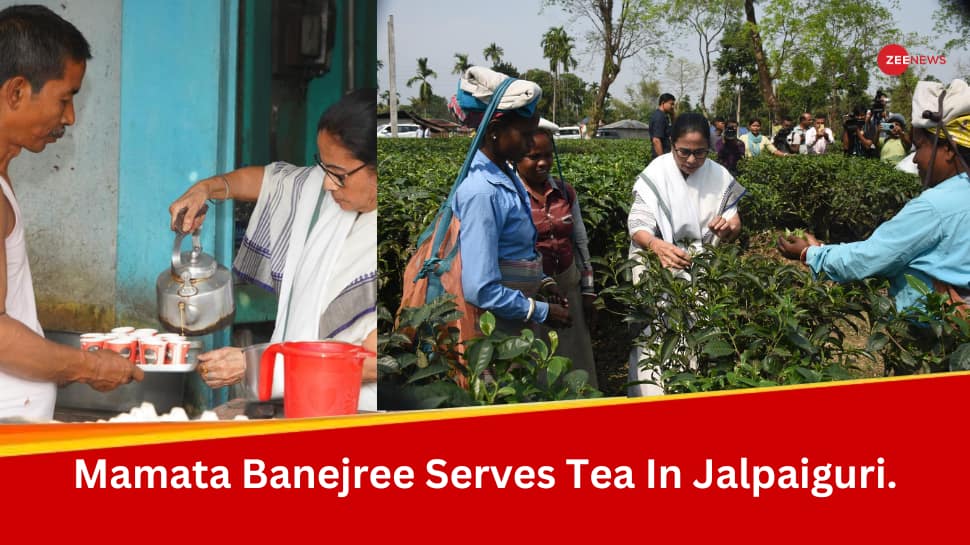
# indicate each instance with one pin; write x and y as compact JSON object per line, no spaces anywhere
{"x":496,"y":224}
{"x":929,"y":238}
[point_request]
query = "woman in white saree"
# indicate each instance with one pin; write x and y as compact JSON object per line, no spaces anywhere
{"x":681,"y":201}
{"x":312,"y":239}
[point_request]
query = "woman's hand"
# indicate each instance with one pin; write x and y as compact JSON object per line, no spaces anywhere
{"x":550,"y":291}
{"x":670,"y":255}
{"x":726,"y":229}
{"x":558,"y":317}
{"x":192,"y":202}
{"x":793,"y":246}
{"x":222,"y":367}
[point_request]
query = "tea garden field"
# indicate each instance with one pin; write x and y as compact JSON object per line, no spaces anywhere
{"x":746,"y":318}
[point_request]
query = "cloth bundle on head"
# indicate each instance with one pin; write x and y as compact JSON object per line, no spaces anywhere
{"x":478,"y":84}
{"x":956,"y":109}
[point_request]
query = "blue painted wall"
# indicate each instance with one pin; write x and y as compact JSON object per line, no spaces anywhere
{"x":177,"y":127}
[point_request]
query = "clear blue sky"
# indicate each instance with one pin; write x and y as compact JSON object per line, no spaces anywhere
{"x":438,"y":30}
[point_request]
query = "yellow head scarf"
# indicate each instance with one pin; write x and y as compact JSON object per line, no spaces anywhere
{"x":959,"y":129}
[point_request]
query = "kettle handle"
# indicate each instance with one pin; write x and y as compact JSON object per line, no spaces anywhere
{"x":267,"y":365}
{"x":177,"y":249}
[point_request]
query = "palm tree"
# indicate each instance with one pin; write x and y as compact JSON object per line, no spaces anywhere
{"x":461,"y":63}
{"x":557,"y":46}
{"x":423,"y":73}
{"x":493,"y":52}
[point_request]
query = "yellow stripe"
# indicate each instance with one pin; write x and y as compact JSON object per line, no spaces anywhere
{"x":959,"y":130}
{"x":44,"y":441}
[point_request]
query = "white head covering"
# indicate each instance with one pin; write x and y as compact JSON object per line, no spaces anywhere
{"x":956,"y":103}
{"x":481,"y":82}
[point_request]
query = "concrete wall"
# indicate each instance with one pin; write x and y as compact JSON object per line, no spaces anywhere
{"x":69,"y":193}
{"x":156,"y":112}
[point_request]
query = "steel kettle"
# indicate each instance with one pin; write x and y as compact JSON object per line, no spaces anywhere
{"x":195,"y":296}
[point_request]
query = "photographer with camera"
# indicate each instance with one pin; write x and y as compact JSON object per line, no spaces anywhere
{"x":818,"y":137}
{"x":782,"y":138}
{"x":896,"y":146}
{"x":729,"y":148}
{"x":859,"y":138}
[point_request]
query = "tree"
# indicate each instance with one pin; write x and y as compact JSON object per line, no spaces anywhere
{"x":642,"y":101}
{"x":708,"y":20}
{"x":682,"y":74}
{"x":764,"y":75}
{"x":424,"y":91}
{"x":953,"y":16}
{"x":632,"y":31}
{"x":384,"y":105}
{"x":557,"y":46}
{"x":739,"y":90}
{"x":494,"y":53}
{"x":506,"y":68}
{"x":461,"y":63}
{"x":819,"y":48}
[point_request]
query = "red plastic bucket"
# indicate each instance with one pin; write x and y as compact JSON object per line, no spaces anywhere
{"x":321,"y":378}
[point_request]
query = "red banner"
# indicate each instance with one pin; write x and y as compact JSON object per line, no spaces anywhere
{"x":864,"y":461}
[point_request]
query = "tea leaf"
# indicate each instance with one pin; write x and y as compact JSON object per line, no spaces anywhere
{"x":428,"y":371}
{"x":480,"y":356}
{"x":512,"y":348}
{"x":487,"y":323}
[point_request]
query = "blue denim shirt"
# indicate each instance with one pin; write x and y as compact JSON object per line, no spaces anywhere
{"x":496,"y":224}
{"x":929,"y":238}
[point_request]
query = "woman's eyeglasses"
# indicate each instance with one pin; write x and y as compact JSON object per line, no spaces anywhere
{"x":684,"y":153}
{"x":338,"y":175}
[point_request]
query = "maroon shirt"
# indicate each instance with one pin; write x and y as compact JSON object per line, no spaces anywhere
{"x":554,"y":226}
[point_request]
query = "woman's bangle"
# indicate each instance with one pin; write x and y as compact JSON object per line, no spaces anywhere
{"x":804,"y":253}
{"x":228,"y":191}
{"x":532,"y":309}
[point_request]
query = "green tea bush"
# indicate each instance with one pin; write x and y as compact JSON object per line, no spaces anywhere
{"x":742,"y":321}
{"x":421,"y":366}
{"x":836,"y":197}
{"x":745,"y":319}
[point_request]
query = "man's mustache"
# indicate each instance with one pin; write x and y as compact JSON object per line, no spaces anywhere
{"x":57,"y":133}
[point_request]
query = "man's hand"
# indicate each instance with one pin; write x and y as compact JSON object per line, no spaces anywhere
{"x":109,"y":370}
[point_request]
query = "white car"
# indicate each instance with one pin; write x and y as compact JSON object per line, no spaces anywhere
{"x":569,"y":133}
{"x":404,"y":130}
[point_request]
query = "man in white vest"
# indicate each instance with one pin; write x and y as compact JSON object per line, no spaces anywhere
{"x":42,"y":63}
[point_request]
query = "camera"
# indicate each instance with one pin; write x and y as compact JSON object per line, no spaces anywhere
{"x":731,"y":133}
{"x":879,"y":103}
{"x":850,"y":123}
{"x":888,"y":127}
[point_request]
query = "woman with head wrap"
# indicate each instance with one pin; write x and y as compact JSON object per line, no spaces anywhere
{"x":501,"y":270}
{"x":929,"y":238}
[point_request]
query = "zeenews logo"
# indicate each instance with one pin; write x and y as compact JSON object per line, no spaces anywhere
{"x":894,"y":59}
